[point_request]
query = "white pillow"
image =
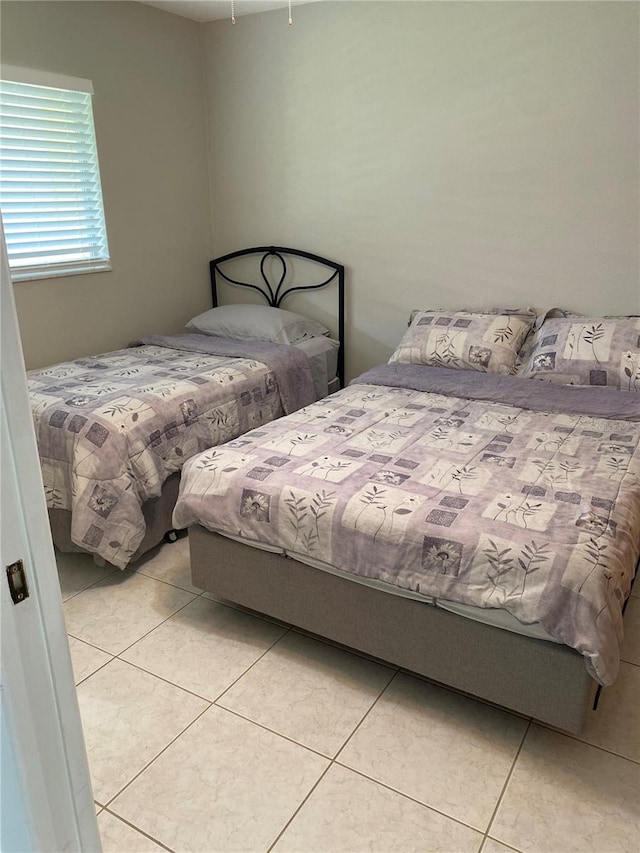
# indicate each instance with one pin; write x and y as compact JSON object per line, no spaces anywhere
{"x":256,"y":322}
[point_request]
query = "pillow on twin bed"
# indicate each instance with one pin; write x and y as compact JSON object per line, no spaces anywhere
{"x":465,"y":340}
{"x":574,"y":350}
{"x":256,"y":322}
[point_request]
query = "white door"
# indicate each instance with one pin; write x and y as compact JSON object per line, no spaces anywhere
{"x":46,"y":796}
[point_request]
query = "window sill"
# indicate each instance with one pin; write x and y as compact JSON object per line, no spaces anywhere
{"x":35,"y":274}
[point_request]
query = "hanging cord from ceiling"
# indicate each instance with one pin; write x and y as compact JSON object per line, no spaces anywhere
{"x":233,"y":13}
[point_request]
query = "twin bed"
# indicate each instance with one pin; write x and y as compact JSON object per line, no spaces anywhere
{"x":114,"y":430}
{"x":445,"y":512}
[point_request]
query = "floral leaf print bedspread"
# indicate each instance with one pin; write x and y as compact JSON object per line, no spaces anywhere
{"x":451,"y":493}
{"x":112,"y":428}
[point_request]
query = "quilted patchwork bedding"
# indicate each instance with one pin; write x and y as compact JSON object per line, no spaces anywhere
{"x":486,"y":490}
{"x":112,"y":428}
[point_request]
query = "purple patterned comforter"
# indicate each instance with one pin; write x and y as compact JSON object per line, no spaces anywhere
{"x":452,"y":493}
{"x":112,"y":428}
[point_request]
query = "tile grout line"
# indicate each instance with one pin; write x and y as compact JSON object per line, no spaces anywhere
{"x":378,"y":698}
{"x":138,"y":830}
{"x":102,"y":666}
{"x":257,"y":660}
{"x":146,"y":634}
{"x":170,"y":616}
{"x":332,"y":761}
{"x":578,"y":739}
{"x":166,"y":619}
{"x":407,"y":796}
{"x":169,"y":583}
{"x":300,"y":805}
{"x":506,"y":782}
{"x":85,"y":588}
{"x":162,"y":678}
{"x":126,"y":649}
{"x":273,"y":732}
{"x":87,"y":643}
{"x":121,"y":571}
{"x":186,"y":689}
{"x":506,"y":846}
{"x":155,"y":757}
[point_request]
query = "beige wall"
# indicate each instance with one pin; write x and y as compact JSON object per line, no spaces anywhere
{"x":150,"y":123}
{"x":450,"y":154}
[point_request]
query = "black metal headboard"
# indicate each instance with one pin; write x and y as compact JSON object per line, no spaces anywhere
{"x":275,"y":293}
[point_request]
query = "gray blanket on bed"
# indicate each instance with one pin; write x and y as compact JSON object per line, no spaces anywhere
{"x":513,"y":390}
{"x":289,"y":364}
{"x":431,"y":480}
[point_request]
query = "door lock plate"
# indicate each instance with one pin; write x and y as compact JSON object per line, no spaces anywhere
{"x":17,"y":582}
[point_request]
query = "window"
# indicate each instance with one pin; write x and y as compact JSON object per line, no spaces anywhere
{"x":50,"y":192}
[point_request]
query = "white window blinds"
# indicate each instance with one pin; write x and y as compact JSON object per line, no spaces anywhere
{"x":50,"y":192}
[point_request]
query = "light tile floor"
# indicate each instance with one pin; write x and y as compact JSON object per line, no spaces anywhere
{"x":209,"y":728}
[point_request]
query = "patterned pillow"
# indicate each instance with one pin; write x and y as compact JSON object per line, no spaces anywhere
{"x":527,"y":346}
{"x":576,"y":350}
{"x":464,"y":340}
{"x":526,"y":311}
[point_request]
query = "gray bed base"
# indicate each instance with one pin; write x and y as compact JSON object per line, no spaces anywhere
{"x":157,"y":514}
{"x":544,"y":680}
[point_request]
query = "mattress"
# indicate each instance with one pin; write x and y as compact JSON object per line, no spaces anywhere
{"x":322,"y":353}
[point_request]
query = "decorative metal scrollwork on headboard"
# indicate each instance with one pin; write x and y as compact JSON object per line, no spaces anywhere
{"x":275,"y":293}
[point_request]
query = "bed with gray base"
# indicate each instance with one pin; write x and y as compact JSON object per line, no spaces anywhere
{"x":480,"y":531}
{"x":537,"y":678}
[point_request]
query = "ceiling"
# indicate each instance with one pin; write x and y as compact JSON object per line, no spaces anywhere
{"x":214,"y":10}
